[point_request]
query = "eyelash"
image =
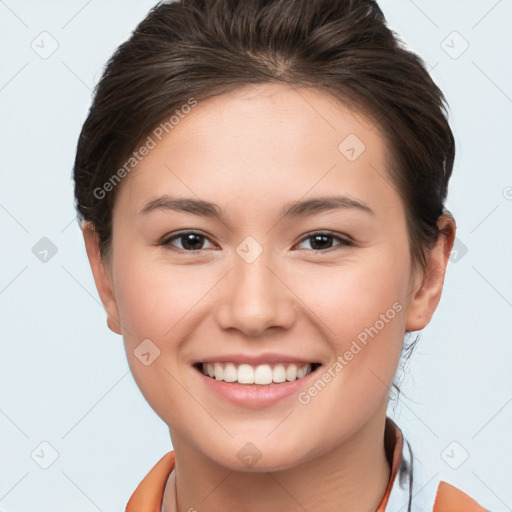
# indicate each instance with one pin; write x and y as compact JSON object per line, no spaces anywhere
{"x":166,"y":242}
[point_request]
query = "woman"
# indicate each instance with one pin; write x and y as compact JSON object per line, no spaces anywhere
{"x":262,"y":187}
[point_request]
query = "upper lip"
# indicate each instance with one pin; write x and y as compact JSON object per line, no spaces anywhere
{"x":256,"y":359}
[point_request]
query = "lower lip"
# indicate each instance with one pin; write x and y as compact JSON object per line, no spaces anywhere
{"x":254,"y":396}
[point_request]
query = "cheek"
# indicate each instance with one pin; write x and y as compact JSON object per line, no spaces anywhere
{"x":351,"y":297}
{"x":158,"y":307}
{"x":362,"y":306}
{"x":158,"y":311}
{"x":153,"y":297}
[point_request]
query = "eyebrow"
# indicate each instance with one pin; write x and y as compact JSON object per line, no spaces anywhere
{"x":292,"y":209}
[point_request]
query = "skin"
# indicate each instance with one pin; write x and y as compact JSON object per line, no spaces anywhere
{"x":251,"y":152}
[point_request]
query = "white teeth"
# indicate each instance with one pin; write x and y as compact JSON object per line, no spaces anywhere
{"x":262,"y":374}
{"x":279,"y":373}
{"x":219,"y":371}
{"x":301,"y":372}
{"x":245,"y":374}
{"x":230,"y":373}
{"x":291,"y":372}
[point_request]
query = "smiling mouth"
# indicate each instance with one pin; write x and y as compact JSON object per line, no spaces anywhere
{"x":260,"y":375}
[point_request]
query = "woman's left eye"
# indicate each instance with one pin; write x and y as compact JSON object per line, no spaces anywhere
{"x":319,"y":240}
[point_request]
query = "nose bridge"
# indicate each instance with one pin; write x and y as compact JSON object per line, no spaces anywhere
{"x":256,"y":298}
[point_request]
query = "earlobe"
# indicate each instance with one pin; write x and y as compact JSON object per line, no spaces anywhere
{"x":101,"y":277}
{"x":426,"y":295}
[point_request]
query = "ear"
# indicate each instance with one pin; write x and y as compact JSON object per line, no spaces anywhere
{"x":427,"y":289}
{"x":102,"y":277}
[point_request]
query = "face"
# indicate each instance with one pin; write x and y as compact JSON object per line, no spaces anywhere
{"x":302,"y":257}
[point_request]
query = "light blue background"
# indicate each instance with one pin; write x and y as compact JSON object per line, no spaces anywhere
{"x":64,"y":375}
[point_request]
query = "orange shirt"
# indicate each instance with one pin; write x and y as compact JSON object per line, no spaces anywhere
{"x":149,"y":494}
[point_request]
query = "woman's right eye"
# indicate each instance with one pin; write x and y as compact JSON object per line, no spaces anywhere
{"x":191,"y":241}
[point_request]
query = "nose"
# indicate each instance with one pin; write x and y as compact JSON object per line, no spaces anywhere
{"x":256,"y":297}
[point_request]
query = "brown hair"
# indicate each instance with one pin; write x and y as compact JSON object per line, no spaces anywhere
{"x":200,"y":48}
{"x":195,"y":49}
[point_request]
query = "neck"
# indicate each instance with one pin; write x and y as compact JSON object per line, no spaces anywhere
{"x":353,"y":476}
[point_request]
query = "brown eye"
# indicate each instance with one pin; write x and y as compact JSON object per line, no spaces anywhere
{"x":323,"y":241}
{"x":189,"y":240}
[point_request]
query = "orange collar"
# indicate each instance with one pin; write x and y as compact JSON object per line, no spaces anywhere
{"x":149,"y":494}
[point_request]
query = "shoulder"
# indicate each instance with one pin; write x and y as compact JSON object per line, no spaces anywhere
{"x":149,"y":493}
{"x":451,"y":499}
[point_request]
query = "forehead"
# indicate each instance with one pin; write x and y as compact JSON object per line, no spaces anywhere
{"x":263,"y":142}
{"x":291,"y":115}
